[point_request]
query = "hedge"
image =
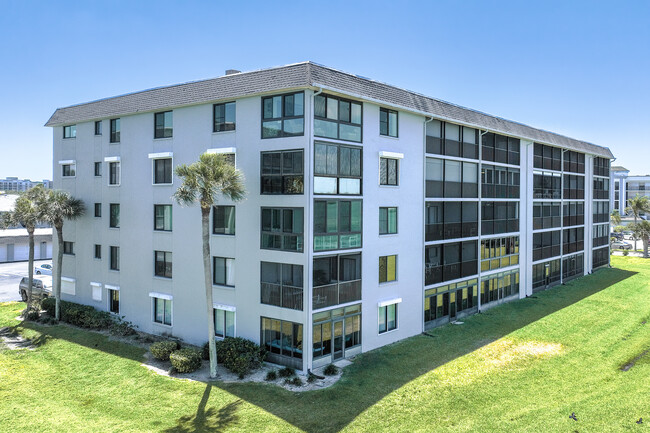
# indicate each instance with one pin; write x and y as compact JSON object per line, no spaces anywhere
{"x":186,"y":360}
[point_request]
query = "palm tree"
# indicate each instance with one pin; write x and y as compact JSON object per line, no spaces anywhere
{"x":57,"y":207}
{"x":26,"y":213}
{"x":638,"y":205}
{"x":615,"y":218}
{"x":641,"y":231}
{"x":203,"y":181}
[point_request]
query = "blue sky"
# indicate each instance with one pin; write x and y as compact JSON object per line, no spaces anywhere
{"x":579,"y":68}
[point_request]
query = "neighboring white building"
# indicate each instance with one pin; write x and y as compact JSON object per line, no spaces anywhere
{"x":373,"y":213}
{"x":13,"y":184}
{"x":14,"y":245}
{"x":626,"y":187}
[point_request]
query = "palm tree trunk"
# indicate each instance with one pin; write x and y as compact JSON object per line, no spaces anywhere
{"x":30,"y":281}
{"x":633,"y":235}
{"x":58,"y":268}
{"x":205,"y":234}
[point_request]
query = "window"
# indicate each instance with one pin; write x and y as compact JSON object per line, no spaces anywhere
{"x":115,"y":216}
{"x":387,"y":220}
{"x":223,"y":220}
{"x":445,"y":139}
{"x":442,"y":303}
{"x":69,"y":170}
{"x":499,"y":253}
{"x":600,"y":257}
{"x":162,"y":217}
{"x":387,"y":268}
{"x":224,"y":117}
{"x":388,"y":171}
{"x":98,"y":210}
{"x":601,"y":167}
{"x":573,"y":240}
{"x":387,"y":122}
{"x":224,"y":323}
{"x":336,"y":280}
{"x":499,"y":217}
{"x":283,"y":341}
{"x":574,"y":187}
{"x":601,"y":188}
{"x":282,"y":285}
{"x":447,"y":178}
{"x":115,"y":259}
{"x":451,"y":220}
{"x":574,"y":213}
{"x":387,"y":318}
{"x":162,"y":311}
{"x":547,"y":157}
{"x":68,"y":248}
{"x":600,"y":235}
{"x":328,"y":323}
{"x":70,"y":131}
{"x":499,"y":286}
{"x":499,"y":182}
{"x":224,"y":271}
{"x":114,"y":301}
{"x":282,"y":229}
{"x":337,"y":169}
{"x":115,"y":131}
{"x":98,"y":169}
{"x":547,"y":273}
{"x":499,"y":148}
{"x":450,"y":261}
{"x":547,"y":185}
{"x":574,"y":161}
{"x":337,"y":118}
{"x":163,"y":264}
{"x":546,"y":215}
{"x":282,"y":115}
{"x":114,"y":176}
{"x":601,"y":211}
{"x":163,"y":125}
{"x":282,"y":172}
{"x":98,"y":251}
{"x":98,"y":127}
{"x":573,"y":266}
{"x":546,"y":244}
{"x":162,"y":171}
{"x":337,"y":224}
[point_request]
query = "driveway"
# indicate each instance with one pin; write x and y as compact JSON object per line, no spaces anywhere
{"x":10,"y":275}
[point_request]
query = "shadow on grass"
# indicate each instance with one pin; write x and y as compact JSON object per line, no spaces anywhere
{"x":376,"y":374}
{"x":207,"y":420}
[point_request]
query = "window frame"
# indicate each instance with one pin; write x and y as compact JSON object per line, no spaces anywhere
{"x":388,"y":112}
{"x":225,"y":264}
{"x":385,"y":315}
{"x":164,"y":268}
{"x":98,"y":169}
{"x":118,"y":173}
{"x":68,"y":248}
{"x":384,"y":277}
{"x":282,"y":117}
{"x":170,"y":172}
{"x":98,"y":210}
{"x":295,"y":301}
{"x":338,"y":120}
{"x":164,"y":304}
{"x":167,"y":132}
{"x":225,"y":322}
{"x":282,"y":175}
{"x":225,"y":122}
{"x":97,"y":251}
{"x":339,"y":216}
{"x":71,"y":170}
{"x":386,"y":182}
{"x":233,"y":212}
{"x":111,"y":222}
{"x":387,"y":210}
{"x":112,"y":301}
{"x":116,"y":129}
{"x":300,"y":236}
{"x":338,"y":176}
{"x":69,"y":131}
{"x":114,"y":261}
{"x":98,"y":127}
{"x":155,"y":217}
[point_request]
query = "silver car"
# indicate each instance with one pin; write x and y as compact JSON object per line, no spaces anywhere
{"x":44,"y":269}
{"x":618,"y":245}
{"x":41,"y":287}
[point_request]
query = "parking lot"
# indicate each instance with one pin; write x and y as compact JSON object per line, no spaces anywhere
{"x":10,"y":275}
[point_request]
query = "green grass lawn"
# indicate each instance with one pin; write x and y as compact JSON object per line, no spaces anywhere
{"x":522,"y":366}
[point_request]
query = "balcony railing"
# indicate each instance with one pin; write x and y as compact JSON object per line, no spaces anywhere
{"x":337,"y":293}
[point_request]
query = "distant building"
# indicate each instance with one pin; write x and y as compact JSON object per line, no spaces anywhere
{"x":14,"y":245}
{"x":13,"y":184}
{"x":627,"y":187}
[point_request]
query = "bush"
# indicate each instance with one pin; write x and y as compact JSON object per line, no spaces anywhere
{"x":186,"y":360}
{"x":83,"y":316}
{"x":240,"y":355}
{"x":162,"y":349}
{"x":32,"y":315}
{"x":271,"y":376}
{"x":330,"y":370}
{"x":205,"y":351}
{"x":296,"y":381}
{"x":122,"y":328}
{"x":311,"y":378}
{"x":287,"y":372}
{"x":626,"y":252}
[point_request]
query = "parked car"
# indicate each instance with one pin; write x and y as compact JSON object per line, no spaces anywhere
{"x":616,"y":235}
{"x":44,"y":269}
{"x":41,"y":287}
{"x":618,"y":245}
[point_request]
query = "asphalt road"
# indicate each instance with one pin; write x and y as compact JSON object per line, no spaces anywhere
{"x":10,"y":275}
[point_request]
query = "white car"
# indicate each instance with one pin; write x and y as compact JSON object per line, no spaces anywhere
{"x":44,"y":269}
{"x":618,"y":245}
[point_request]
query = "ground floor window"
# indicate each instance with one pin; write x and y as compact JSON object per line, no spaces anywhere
{"x":162,"y":311}
{"x":224,"y":323}
{"x":114,"y":301}
{"x":573,"y":265}
{"x":335,"y":331}
{"x":282,"y":339}
{"x":445,"y":301}
{"x":546,"y":273}
{"x":387,"y":318}
{"x":498,"y":286}
{"x":600,"y":257}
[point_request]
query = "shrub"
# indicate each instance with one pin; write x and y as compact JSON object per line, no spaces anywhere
{"x":186,"y":360}
{"x":286,"y":372}
{"x":311,"y":378}
{"x":162,"y":349}
{"x":271,"y":375}
{"x":626,"y":252}
{"x":32,"y":315}
{"x":205,"y":351}
{"x":83,"y":316}
{"x":330,"y":370}
{"x":240,"y":355}
{"x":295,"y":381}
{"x":122,"y":328}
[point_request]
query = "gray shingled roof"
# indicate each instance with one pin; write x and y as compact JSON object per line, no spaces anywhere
{"x":301,"y":75}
